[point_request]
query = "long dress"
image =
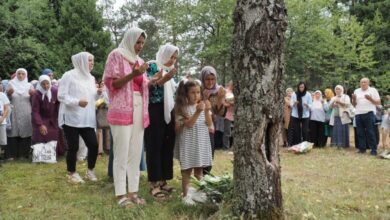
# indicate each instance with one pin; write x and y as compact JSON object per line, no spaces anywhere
{"x":19,"y":136}
{"x":194,"y":143}
{"x":45,"y":113}
{"x":340,"y":134}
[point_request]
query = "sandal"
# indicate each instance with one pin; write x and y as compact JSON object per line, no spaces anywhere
{"x":166,"y":188}
{"x":137,"y":200}
{"x":125,"y":202}
{"x":157,"y":193}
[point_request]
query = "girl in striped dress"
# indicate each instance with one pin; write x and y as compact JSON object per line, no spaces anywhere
{"x":193,"y":117}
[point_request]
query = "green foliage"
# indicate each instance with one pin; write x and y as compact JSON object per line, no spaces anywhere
{"x":326,"y":46}
{"x":25,"y":29}
{"x":36,"y":34}
{"x":201,"y":29}
{"x":147,"y":15}
{"x":308,"y":42}
{"x":375,"y":16}
{"x":82,"y":30}
{"x":215,"y":25}
{"x":328,"y":42}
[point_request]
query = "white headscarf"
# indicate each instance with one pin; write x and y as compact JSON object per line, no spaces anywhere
{"x":341,"y":88}
{"x":164,"y":54}
{"x":126,"y":47}
{"x":80,"y":64}
{"x":317,"y":104}
{"x":82,"y":73}
{"x":43,"y":91}
{"x":318,"y":91}
{"x":20,"y":87}
{"x":162,"y":57}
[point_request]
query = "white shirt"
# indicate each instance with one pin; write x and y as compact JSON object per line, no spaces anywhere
{"x":317,"y":109}
{"x":3,"y":101}
{"x":363,"y":105}
{"x":70,"y":92}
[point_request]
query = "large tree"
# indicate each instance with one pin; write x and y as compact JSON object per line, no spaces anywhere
{"x":257,"y":53}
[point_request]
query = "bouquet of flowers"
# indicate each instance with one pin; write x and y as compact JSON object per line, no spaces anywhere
{"x":301,"y":148}
{"x":216,"y":188}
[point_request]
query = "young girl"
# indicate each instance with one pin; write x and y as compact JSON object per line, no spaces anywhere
{"x":193,"y":117}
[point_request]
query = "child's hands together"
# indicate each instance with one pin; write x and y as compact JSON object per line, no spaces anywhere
{"x":207,"y":105}
{"x":200,"y":106}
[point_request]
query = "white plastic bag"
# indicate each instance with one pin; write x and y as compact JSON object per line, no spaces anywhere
{"x":83,"y":150}
{"x":302,"y":147}
{"x":44,"y":153}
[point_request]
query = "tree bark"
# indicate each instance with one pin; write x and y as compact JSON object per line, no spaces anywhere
{"x":257,"y":58}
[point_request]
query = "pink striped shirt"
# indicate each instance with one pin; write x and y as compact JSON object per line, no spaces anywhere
{"x":121,"y":109}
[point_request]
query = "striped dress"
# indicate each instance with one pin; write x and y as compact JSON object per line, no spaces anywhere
{"x":193,"y":144}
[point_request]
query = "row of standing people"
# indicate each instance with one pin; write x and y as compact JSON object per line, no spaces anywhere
{"x":22,"y":104}
{"x":310,"y":117}
{"x":34,"y":119}
{"x":144,"y":108}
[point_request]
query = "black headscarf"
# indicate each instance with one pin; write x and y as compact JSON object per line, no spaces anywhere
{"x":299,"y":98}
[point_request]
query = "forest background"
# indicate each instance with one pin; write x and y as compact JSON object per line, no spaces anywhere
{"x":328,"y":42}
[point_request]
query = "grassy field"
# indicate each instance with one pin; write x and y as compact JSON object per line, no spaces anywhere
{"x":323,"y":184}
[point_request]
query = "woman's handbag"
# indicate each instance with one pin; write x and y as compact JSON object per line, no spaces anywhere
{"x":101,"y":117}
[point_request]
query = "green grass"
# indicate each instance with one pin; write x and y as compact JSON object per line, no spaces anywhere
{"x":323,"y":184}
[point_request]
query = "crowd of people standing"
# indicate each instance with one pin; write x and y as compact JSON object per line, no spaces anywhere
{"x":310,"y":116}
{"x":148,"y":111}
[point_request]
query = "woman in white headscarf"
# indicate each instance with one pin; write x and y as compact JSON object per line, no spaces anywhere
{"x":340,"y":118}
{"x":128,"y":88}
{"x":317,"y":120}
{"x":19,"y":137}
{"x":45,"y":107}
{"x":160,"y":135}
{"x":77,"y":93}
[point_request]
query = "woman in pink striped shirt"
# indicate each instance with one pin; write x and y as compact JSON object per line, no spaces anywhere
{"x":128,"y":88}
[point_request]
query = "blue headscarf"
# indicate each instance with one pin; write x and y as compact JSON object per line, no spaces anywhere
{"x":46,"y":71}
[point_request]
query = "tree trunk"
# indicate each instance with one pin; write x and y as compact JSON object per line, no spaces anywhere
{"x":258,"y":78}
